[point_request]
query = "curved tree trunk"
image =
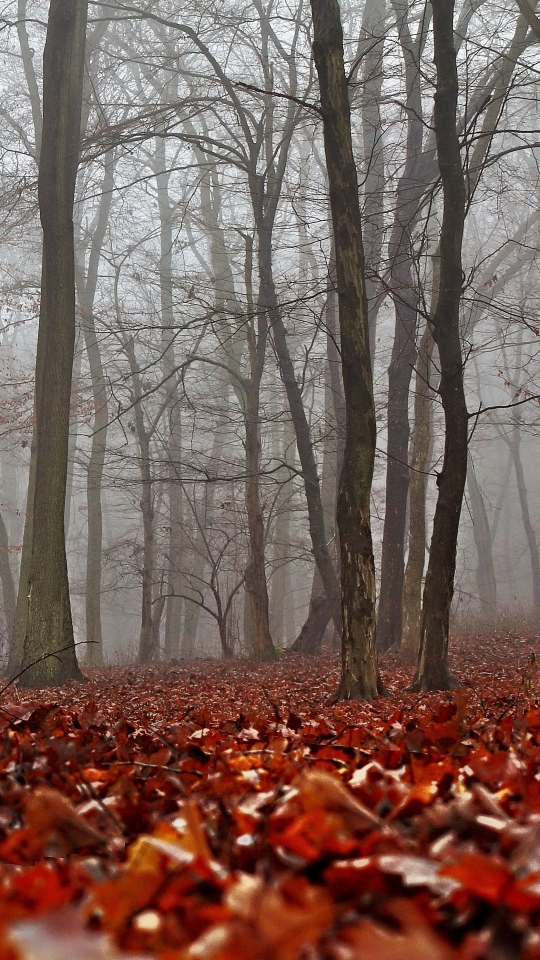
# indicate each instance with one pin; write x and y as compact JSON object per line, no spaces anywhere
{"x":432,"y":668}
{"x":43,"y":608}
{"x":360,"y":675}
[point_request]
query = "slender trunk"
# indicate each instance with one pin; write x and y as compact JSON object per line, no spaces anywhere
{"x":280,"y":584}
{"x":43,"y":607}
{"x":405,"y":294}
{"x":515,"y":449}
{"x":255,"y":577}
{"x":9,"y":593}
{"x":199,"y":561}
{"x":16,"y":649}
{"x":148,"y":642}
{"x":175,"y":579}
{"x":485,"y":574}
{"x":304,"y":444}
{"x":414,"y":571}
{"x":10,"y":497}
{"x":360,"y":675}
{"x":87,"y":286}
{"x":73,"y":431}
{"x":311,"y":635}
{"x":371,"y":56}
{"x":432,"y":668}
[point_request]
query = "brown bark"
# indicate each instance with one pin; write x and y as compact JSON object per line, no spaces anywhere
{"x":432,"y":668}
{"x":43,"y":609}
{"x":360,"y":676}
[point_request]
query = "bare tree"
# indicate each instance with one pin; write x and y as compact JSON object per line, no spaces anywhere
{"x":43,"y":609}
{"x":360,"y":675}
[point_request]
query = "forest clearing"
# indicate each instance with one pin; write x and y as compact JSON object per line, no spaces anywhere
{"x":232,"y":812}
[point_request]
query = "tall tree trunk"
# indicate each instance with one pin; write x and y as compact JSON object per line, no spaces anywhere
{"x":485,"y":574}
{"x":283,"y":443}
{"x":199,"y":561}
{"x":43,"y":608}
{"x":148,"y":638}
{"x":432,"y":668}
{"x":175,"y":580}
{"x":304,"y":445}
{"x":360,"y":675}
{"x":310,"y":638}
{"x":9,"y":593}
{"x":532,"y":543}
{"x":371,"y":56}
{"x":87,"y":286}
{"x":414,"y":571}
{"x":73,"y":433}
{"x":255,"y":577}
{"x":405,"y":294}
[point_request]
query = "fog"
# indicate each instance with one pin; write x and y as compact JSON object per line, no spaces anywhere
{"x":201,"y":147}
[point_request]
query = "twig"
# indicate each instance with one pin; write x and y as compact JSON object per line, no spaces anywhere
{"x":45,"y":656}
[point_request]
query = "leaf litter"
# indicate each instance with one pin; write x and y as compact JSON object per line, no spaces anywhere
{"x":211,"y":811}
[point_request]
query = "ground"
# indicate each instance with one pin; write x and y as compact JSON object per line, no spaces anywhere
{"x":231,"y":812}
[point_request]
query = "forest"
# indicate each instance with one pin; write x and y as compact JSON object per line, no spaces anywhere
{"x":269,"y":569}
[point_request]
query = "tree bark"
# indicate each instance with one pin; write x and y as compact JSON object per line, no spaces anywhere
{"x":371,"y":56}
{"x":485,"y":574}
{"x":9,"y":593}
{"x":175,"y":579}
{"x":43,"y":608}
{"x":515,"y":449}
{"x":432,"y":668}
{"x":414,"y":571}
{"x":255,"y":576}
{"x":405,"y":294}
{"x":360,"y":675}
{"x":87,"y":286}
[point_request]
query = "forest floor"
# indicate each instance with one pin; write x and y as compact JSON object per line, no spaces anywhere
{"x":215,"y":811}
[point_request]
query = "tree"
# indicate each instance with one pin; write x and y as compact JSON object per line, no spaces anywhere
{"x":360,"y":675}
{"x":43,"y":608}
{"x":432,"y":668}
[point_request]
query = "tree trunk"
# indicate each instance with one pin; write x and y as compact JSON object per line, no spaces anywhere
{"x":360,"y":675}
{"x":405,"y":294}
{"x":199,"y":561}
{"x":283,"y":452}
{"x":310,"y":638}
{"x":432,"y":668}
{"x":414,"y":571}
{"x":371,"y":56}
{"x":485,"y":574}
{"x":306,"y":455}
{"x":43,"y":608}
{"x":515,"y":445}
{"x":175,"y":579}
{"x":87,"y":291}
{"x":255,"y":581}
{"x":9,"y":593}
